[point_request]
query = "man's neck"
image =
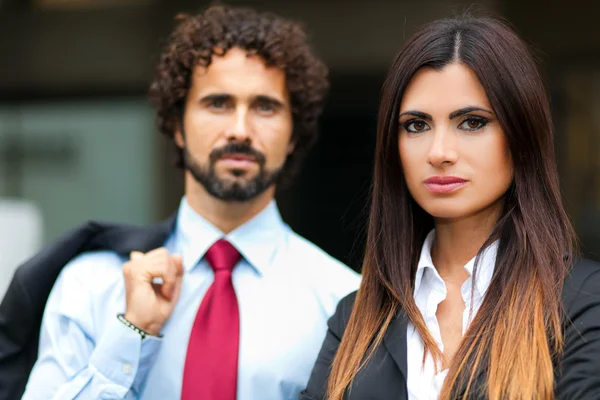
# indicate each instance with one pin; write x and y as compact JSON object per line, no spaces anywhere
{"x":225,"y":215}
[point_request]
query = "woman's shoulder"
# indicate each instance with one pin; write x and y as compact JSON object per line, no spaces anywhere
{"x":578,"y":373}
{"x":582,"y":284}
{"x":347,"y":303}
{"x":337,"y":323}
{"x":582,"y":271}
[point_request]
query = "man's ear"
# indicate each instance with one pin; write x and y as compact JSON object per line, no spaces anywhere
{"x":178,"y":137}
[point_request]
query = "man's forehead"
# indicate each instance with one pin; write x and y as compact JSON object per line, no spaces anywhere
{"x":237,"y":74}
{"x":236,"y":58}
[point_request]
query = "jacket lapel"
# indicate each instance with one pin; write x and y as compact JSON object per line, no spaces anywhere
{"x":394,"y":341}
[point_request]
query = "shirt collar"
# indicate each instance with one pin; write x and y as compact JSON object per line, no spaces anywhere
{"x":485,"y":269}
{"x":256,"y":240}
{"x":425,"y":260}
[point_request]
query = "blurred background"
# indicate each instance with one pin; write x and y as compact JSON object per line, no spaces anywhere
{"x":77,"y":136}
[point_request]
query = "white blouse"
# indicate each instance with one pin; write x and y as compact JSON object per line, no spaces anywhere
{"x":430,"y":291}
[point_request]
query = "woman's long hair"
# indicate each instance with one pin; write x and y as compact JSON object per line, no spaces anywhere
{"x":516,"y":337}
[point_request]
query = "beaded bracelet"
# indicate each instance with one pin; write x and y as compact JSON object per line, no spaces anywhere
{"x":141,"y":332}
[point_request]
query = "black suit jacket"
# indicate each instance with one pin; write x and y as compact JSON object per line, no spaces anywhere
{"x":23,"y":305}
{"x":384,"y":376}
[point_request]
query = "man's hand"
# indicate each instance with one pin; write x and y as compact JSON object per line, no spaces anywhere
{"x":150,"y":304}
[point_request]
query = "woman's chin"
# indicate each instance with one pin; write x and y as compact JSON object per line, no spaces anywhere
{"x":449,"y":211}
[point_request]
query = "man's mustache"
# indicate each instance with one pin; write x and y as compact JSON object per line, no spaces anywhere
{"x":237,"y":148}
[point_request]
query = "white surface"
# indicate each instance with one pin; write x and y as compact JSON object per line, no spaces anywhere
{"x":21,"y":230}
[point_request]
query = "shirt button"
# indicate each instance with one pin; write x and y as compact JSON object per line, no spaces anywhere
{"x":127,"y":368}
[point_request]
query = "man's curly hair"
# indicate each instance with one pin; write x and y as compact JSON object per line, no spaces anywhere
{"x":280,"y":42}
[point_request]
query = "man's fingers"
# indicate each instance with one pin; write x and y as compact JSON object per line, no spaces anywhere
{"x":157,"y":253}
{"x":177,"y":265}
{"x":157,"y":265}
{"x":160,"y":255}
{"x":170,"y":279}
{"x":178,"y":262}
{"x":156,"y":272}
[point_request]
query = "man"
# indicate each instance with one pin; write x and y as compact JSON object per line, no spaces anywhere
{"x":234,"y":305}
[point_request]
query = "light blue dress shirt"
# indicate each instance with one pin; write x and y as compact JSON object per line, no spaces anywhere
{"x":286,"y":287}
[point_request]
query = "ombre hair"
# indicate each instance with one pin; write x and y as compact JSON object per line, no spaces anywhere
{"x":516,"y":336}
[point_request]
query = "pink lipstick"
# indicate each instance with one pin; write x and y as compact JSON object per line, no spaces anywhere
{"x":444,"y":184}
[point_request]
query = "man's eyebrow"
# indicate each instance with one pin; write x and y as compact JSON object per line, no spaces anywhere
{"x":269,"y":99}
{"x":467,"y":110}
{"x":216,"y":97}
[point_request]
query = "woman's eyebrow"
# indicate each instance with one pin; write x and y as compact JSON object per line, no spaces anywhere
{"x":467,"y":110}
{"x":417,"y":114}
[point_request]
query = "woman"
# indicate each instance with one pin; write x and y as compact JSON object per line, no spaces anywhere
{"x":470,"y":285}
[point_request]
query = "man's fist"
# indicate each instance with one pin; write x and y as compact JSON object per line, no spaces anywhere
{"x":150,"y":304}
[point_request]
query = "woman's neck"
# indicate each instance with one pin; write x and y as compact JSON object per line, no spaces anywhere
{"x":459,"y":240}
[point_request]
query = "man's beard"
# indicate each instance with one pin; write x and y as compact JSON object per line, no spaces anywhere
{"x":231,"y":189}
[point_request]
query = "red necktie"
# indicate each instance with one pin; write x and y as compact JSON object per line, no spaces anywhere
{"x":211,"y":363}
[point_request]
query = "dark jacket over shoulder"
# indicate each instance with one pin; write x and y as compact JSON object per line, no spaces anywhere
{"x":384,"y":377}
{"x":23,"y":305}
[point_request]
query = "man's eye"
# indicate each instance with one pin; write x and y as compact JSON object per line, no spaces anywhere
{"x":218,"y":104}
{"x":265,"y":108}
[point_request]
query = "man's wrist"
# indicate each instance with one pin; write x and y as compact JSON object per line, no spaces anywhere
{"x":123,"y":357}
{"x":144,"y":333}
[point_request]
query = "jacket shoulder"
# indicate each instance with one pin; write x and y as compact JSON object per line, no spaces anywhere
{"x":582,"y":281}
{"x":338,"y":322}
{"x":582,"y":270}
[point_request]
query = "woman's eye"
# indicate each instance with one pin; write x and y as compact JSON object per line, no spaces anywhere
{"x":473,"y":124}
{"x":416,"y":126}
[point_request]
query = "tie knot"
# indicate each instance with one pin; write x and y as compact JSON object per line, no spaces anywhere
{"x":222,"y":256}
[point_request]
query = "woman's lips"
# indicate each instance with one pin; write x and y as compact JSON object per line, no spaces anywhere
{"x":444,"y":184}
